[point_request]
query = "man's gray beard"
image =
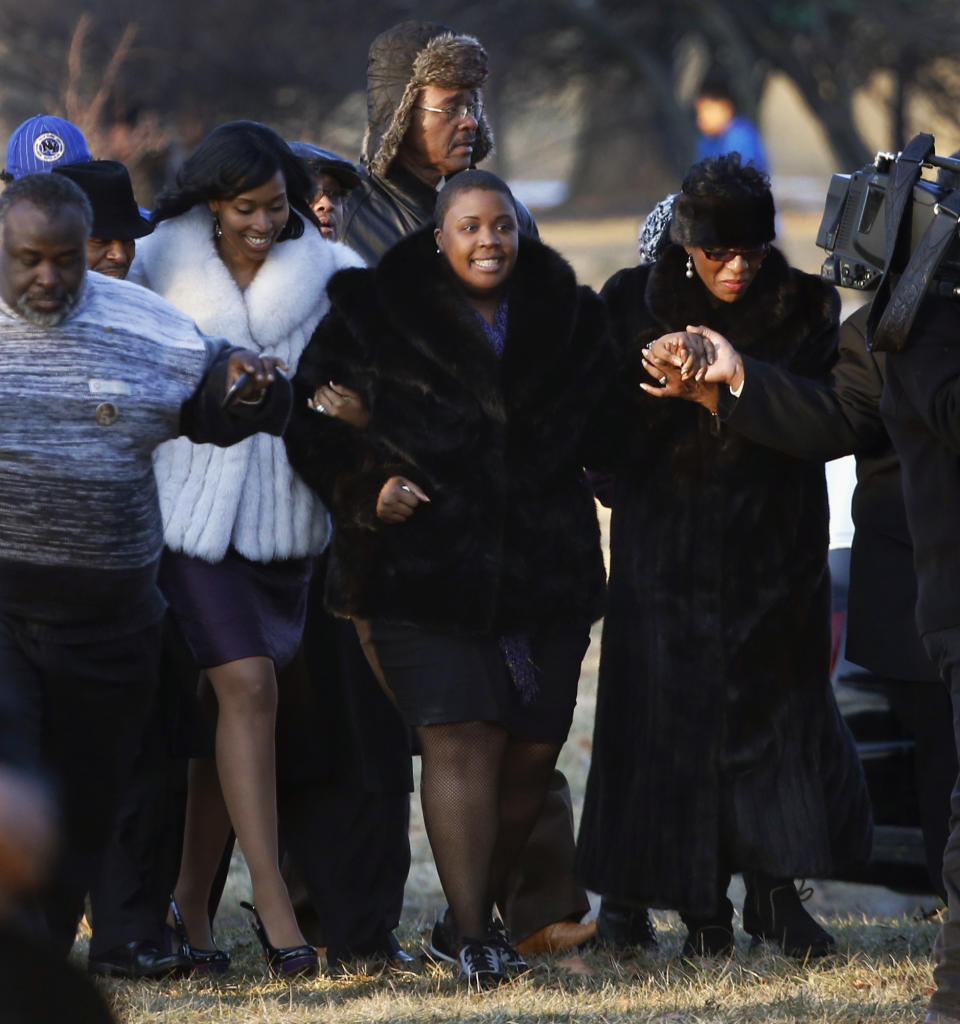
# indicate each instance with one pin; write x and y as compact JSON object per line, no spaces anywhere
{"x":45,"y":319}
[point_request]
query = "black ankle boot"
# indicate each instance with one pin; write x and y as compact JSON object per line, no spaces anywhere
{"x":773,"y":911}
{"x":623,"y":926}
{"x":710,"y":936}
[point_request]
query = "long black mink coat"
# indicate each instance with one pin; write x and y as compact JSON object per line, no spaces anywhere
{"x":718,"y":745}
{"x":509,"y":540}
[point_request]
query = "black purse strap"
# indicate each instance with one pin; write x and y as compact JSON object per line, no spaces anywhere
{"x":906,"y":173}
{"x":893,"y":329}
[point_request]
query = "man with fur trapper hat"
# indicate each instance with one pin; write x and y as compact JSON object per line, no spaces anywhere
{"x":425,"y":123}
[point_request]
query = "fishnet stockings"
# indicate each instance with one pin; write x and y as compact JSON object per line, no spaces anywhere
{"x":481,"y":792}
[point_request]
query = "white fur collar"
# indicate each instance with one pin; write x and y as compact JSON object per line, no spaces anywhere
{"x":180,"y":262}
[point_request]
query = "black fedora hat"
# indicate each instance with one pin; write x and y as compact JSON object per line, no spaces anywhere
{"x":107,"y":185}
{"x":324,"y":161}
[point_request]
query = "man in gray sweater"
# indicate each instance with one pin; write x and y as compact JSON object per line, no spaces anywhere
{"x":94,"y":374}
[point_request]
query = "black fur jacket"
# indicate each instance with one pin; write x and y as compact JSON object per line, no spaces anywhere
{"x":509,"y":540}
{"x":718,"y":746}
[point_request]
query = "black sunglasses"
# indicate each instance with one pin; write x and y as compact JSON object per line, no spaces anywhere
{"x":726,"y":255}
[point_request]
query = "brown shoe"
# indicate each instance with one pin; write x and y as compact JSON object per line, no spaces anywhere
{"x":557,"y":938}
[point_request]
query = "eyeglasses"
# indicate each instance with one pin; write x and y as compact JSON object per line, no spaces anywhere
{"x":454,"y":115}
{"x":726,"y":255}
{"x":333,"y":194}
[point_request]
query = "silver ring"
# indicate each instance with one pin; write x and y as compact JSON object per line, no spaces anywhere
{"x":662,"y":380}
{"x":320,"y":409}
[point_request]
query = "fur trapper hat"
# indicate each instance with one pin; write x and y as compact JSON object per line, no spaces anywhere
{"x":400,"y":63}
{"x":706,"y":221}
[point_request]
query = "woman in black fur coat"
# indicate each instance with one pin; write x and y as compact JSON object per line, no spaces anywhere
{"x":718,"y":746}
{"x":466,"y":532}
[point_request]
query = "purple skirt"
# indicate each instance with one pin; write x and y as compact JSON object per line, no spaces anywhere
{"x":237,"y":608}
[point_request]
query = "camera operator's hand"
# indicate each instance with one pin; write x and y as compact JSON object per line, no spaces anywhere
{"x":726,"y":366}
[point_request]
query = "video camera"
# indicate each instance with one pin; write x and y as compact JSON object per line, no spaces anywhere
{"x":853,"y":228}
{"x":888,"y":228}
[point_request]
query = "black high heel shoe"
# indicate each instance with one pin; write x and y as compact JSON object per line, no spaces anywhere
{"x":202,"y":961}
{"x":288,"y":961}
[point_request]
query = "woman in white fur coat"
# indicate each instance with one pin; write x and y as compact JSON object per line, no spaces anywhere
{"x":237,"y":248}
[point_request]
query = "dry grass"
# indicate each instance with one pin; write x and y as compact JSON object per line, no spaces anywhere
{"x":882,"y":975}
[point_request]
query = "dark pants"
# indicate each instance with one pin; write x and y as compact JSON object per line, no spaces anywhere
{"x":140,"y":863}
{"x":943,"y":647}
{"x":350,"y":854}
{"x":343,"y":784}
{"x":923,"y":711}
{"x":79,"y":713}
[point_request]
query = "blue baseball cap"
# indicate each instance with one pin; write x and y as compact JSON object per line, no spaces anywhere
{"x":43,"y":142}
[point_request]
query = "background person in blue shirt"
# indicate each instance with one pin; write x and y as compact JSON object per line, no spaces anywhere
{"x":722,"y":129}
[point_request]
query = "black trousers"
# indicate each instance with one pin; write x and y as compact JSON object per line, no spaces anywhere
{"x":140,"y":863}
{"x":79,"y":710}
{"x":349,"y":853}
{"x":343,"y":782}
{"x":924,"y":713}
{"x":943,"y":647}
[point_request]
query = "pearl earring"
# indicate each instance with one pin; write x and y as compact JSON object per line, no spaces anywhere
{"x":217,"y":230}
{"x":689,"y":271}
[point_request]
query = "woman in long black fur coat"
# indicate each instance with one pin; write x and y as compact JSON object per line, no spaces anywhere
{"x":718,"y":746}
{"x":465,"y":529}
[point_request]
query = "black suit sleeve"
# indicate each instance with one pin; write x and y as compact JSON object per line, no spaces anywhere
{"x":810,"y":418}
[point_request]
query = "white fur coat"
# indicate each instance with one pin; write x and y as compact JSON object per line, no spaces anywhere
{"x":246,"y":495}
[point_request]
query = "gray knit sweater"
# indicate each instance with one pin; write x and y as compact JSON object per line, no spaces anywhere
{"x":82,"y":406}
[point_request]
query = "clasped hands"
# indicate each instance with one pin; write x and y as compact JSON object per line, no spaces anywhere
{"x":691,"y":364}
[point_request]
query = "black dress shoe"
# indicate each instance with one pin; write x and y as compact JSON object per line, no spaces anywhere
{"x":387,"y":951}
{"x":623,"y":926}
{"x":709,"y":936}
{"x":138,"y":959}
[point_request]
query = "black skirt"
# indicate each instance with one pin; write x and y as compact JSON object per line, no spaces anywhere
{"x":444,"y":677}
{"x":237,"y":608}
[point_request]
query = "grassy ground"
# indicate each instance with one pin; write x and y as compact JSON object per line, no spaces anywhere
{"x":882,"y":973}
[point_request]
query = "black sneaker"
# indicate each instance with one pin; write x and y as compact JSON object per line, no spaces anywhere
{"x":480,"y":965}
{"x":773,"y":911}
{"x":444,"y":944}
{"x":498,"y":937}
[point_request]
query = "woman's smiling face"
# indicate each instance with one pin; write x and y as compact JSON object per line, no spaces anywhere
{"x":251,"y":221}
{"x":478,"y":237}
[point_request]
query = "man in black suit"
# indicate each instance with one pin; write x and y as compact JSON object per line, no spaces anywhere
{"x":921,"y":408}
{"x":812,"y":420}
